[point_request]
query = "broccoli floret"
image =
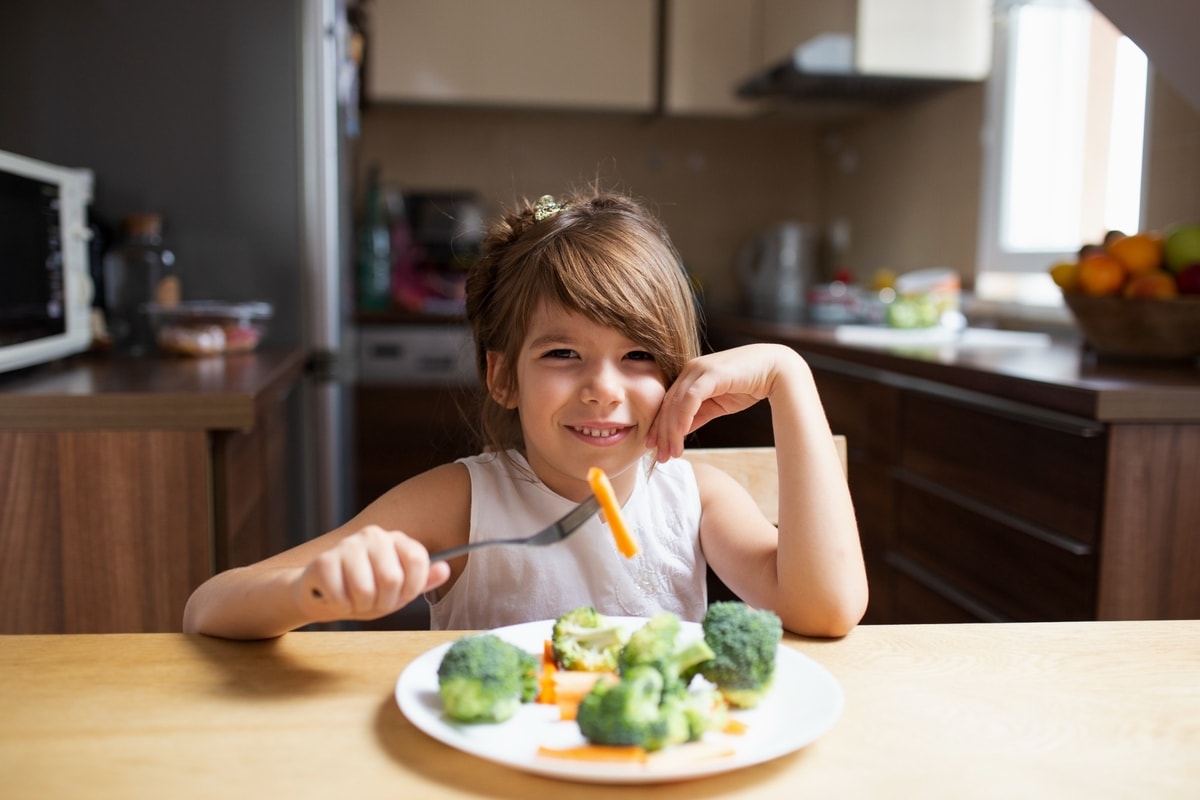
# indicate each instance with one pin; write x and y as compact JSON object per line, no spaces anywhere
{"x":633,"y":711}
{"x":703,"y":709}
{"x":744,"y":642}
{"x":483,"y":678}
{"x":584,"y":639}
{"x":657,"y":644}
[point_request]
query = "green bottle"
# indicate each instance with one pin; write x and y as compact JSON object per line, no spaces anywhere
{"x":374,"y":250}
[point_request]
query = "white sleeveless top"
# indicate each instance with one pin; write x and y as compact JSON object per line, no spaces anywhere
{"x":509,"y":585}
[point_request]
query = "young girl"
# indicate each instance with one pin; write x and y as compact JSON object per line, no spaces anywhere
{"x":586,"y":340}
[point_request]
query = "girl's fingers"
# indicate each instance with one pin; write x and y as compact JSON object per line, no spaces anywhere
{"x":367,"y":575}
{"x":387,"y":573}
{"x":412,"y":560}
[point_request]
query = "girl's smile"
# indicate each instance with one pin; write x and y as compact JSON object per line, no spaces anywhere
{"x":602,"y":434}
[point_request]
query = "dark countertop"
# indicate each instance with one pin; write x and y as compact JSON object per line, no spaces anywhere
{"x":95,"y":391}
{"x":1061,"y":376}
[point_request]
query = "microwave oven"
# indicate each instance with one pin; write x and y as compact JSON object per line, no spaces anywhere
{"x":45,"y":281}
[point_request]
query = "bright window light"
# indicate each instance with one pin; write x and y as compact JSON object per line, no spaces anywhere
{"x":1045,"y":123}
{"x":1123,"y":202}
{"x":1063,"y":139}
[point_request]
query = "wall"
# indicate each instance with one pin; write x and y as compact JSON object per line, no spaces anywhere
{"x":908,"y":180}
{"x":1173,"y":159}
{"x":714,"y":182}
{"x":187,"y":109}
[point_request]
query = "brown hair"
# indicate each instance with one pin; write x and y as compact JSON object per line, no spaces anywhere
{"x":598,"y":254}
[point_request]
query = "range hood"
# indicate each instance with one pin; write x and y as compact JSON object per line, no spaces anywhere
{"x":899,"y":50}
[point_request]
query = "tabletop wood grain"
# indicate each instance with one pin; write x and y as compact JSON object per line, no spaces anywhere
{"x":1055,"y":710}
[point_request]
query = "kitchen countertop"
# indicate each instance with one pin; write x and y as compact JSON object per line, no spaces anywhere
{"x":1054,"y":710}
{"x":96,"y":391}
{"x":1059,"y":376}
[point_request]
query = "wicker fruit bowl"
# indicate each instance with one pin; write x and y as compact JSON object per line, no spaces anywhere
{"x":1139,"y":328}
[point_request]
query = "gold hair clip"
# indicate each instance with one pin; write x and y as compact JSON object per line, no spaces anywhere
{"x":546,"y":207}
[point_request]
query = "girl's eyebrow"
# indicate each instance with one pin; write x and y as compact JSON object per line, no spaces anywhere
{"x":553,"y":337}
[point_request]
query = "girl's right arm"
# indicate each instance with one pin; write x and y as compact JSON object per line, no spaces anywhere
{"x":373,"y":565}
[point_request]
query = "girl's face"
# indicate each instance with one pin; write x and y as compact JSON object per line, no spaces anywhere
{"x":586,"y":396}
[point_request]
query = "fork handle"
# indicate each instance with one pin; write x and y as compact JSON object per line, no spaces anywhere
{"x":443,"y":555}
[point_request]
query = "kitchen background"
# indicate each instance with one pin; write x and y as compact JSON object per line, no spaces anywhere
{"x":194,"y":110}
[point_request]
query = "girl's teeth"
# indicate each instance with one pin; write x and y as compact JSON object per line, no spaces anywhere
{"x":597,"y":433}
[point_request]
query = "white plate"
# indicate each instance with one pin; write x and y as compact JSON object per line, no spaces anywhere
{"x":804,"y":702}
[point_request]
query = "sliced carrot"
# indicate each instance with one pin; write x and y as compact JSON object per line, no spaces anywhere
{"x":546,"y":693}
{"x":735,"y":726}
{"x":597,"y":752}
{"x":602,"y":488}
{"x":571,"y":686}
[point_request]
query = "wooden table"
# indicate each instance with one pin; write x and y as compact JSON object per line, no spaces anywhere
{"x":1056,"y":710}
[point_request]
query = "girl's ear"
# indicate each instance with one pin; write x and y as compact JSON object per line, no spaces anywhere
{"x":497,"y":378}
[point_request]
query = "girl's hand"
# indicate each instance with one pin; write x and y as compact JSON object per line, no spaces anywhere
{"x":367,"y":575}
{"x":714,"y":385}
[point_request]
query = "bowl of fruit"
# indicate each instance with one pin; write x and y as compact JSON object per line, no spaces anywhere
{"x":1137,"y":296}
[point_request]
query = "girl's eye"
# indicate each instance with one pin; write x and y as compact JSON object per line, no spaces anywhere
{"x":561,"y":352}
{"x":640,"y":355}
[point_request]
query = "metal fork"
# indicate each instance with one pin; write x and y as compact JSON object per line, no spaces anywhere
{"x":556,"y":532}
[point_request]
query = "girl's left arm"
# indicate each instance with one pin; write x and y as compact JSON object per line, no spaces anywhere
{"x":810,"y":571}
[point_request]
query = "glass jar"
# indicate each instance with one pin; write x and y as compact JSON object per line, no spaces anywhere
{"x":138,"y":271}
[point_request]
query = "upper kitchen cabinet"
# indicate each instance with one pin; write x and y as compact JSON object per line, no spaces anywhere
{"x":533,"y":53}
{"x":711,"y":45}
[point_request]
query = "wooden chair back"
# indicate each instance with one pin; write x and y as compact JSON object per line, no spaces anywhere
{"x":754,"y":468}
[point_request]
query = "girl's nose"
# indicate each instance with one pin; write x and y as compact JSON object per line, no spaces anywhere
{"x":603,"y":384}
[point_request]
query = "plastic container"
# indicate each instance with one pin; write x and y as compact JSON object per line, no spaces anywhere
{"x":140,"y":269}
{"x":208,"y":327}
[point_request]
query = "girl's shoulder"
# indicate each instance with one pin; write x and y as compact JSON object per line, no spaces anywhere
{"x":433,"y":506}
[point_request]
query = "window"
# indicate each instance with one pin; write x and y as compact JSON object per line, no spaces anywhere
{"x":1063,"y":133}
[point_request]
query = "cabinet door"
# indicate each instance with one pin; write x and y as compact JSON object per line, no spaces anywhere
{"x":537,"y":53}
{"x":787,"y":24}
{"x":402,"y":431}
{"x":102,"y":531}
{"x":711,"y":45}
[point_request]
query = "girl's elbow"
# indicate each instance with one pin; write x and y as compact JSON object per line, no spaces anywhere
{"x":836,"y":619}
{"x":192,"y":616}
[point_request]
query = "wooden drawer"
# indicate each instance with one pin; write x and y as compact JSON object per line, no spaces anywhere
{"x":871,"y":490}
{"x":863,"y":411}
{"x":880,"y":582}
{"x":1019,"y":573}
{"x":1047,"y":475}
{"x":401,"y":431}
{"x":913,"y":602}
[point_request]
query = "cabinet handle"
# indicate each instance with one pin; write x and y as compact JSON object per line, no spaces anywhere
{"x":944,"y":589}
{"x":1012,"y":409}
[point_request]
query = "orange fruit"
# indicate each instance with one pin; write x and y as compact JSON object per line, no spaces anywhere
{"x":1139,"y":252}
{"x":1065,"y":275}
{"x":1101,"y":274}
{"x":1156,"y":283}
